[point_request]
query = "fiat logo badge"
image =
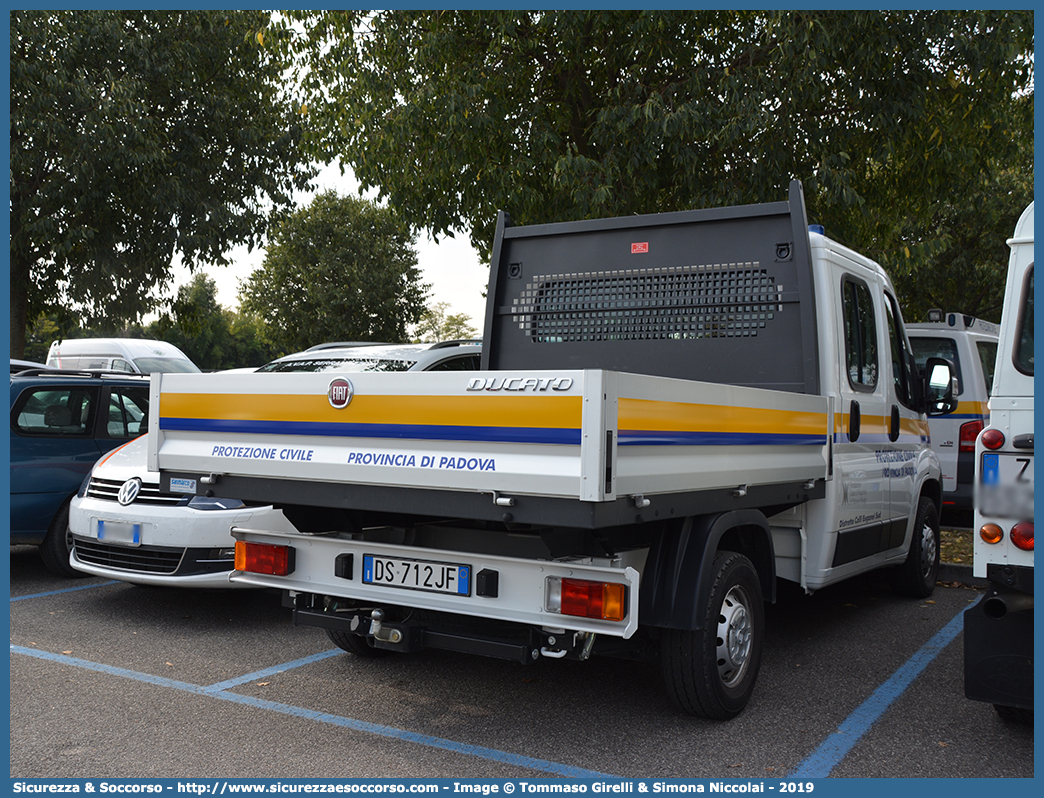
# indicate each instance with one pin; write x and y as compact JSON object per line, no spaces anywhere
{"x":340,"y":393}
{"x":129,"y":491}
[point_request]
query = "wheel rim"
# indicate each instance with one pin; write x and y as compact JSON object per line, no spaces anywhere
{"x":928,"y":550}
{"x":735,"y":636}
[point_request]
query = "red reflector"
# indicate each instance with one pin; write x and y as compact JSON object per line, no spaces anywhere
{"x":1022,"y":536}
{"x":969,"y":432}
{"x":263,"y":558}
{"x":993,"y":438}
{"x":585,"y":599}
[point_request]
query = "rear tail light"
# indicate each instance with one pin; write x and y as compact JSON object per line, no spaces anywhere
{"x":264,"y":558}
{"x":969,"y":432}
{"x":993,"y":438}
{"x":585,"y":599}
{"x":1022,"y":535}
{"x":991,"y":533}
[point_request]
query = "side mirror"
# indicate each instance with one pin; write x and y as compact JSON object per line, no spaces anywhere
{"x":940,"y":387}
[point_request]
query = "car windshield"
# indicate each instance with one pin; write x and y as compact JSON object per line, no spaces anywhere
{"x":339,"y":364}
{"x":165,"y":364}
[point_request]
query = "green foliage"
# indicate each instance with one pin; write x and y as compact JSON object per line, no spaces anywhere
{"x":213,"y":338}
{"x":342,"y":269}
{"x":958,"y":258}
{"x":884,"y":116}
{"x":136,"y":135}
{"x":436,"y":325}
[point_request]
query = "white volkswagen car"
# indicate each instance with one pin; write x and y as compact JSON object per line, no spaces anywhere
{"x":124,"y":528}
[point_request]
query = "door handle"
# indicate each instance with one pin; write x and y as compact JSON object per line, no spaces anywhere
{"x":893,"y":430}
{"x":853,"y":422}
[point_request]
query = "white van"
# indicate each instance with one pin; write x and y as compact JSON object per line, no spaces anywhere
{"x":998,"y":631}
{"x":971,"y":345}
{"x":134,"y":355}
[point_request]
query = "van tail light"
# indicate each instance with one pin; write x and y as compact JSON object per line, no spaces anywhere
{"x":1022,"y":535}
{"x":586,"y":599}
{"x":993,"y":438}
{"x":264,"y":558}
{"x":991,"y":533}
{"x":969,"y":432}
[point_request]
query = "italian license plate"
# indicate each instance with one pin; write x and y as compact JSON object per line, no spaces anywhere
{"x":428,"y":575}
{"x":1007,"y":485}
{"x":118,"y":533}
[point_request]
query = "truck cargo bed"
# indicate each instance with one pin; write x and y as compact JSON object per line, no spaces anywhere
{"x":504,"y":439}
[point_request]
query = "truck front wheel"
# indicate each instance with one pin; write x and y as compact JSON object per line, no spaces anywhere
{"x":916,"y":577}
{"x":711,"y":671}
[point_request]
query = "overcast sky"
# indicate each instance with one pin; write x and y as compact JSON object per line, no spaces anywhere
{"x":451,"y":267}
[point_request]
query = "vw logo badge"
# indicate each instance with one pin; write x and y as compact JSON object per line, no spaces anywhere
{"x":128,"y":491}
{"x":340,"y":393}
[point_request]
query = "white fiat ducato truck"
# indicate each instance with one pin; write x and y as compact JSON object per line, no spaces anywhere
{"x":673,"y":411}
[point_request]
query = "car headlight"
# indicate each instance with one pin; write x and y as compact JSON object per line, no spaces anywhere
{"x":214,"y":503}
{"x":82,"y":490}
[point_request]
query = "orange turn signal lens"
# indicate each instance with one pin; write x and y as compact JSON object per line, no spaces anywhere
{"x":264,"y":558}
{"x":991,"y":533}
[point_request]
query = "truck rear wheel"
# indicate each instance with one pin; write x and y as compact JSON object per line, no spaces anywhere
{"x":711,"y":671}
{"x":916,"y":577}
{"x":360,"y":645}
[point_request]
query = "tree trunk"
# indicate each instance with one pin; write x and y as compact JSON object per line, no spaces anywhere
{"x":19,"y":304}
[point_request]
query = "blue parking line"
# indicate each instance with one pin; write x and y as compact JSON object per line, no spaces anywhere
{"x":441,"y":743}
{"x":836,"y":747}
{"x":63,"y":590}
{"x":289,"y":666}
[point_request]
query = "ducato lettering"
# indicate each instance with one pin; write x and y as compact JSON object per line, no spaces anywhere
{"x":520,"y":384}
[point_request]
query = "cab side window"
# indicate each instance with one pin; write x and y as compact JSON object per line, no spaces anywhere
{"x":55,"y":412}
{"x":988,"y":358}
{"x":1024,"y":341}
{"x":900,"y":352}
{"x":860,"y":334}
{"x":128,"y":412}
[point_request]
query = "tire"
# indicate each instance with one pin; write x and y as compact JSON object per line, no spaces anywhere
{"x":916,"y":577}
{"x":57,"y":545}
{"x":711,"y":672}
{"x":1014,"y":714}
{"x":360,"y":645}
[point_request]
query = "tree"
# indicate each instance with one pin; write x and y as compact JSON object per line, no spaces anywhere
{"x":436,"y":325}
{"x":135,"y":135}
{"x":452,"y":115}
{"x":957,"y":258}
{"x":213,"y":337}
{"x":343,"y":268}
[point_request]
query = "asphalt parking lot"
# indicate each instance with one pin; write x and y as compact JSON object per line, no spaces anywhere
{"x":110,"y":680}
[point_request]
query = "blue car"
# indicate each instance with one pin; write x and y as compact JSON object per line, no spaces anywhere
{"x":61,"y":423}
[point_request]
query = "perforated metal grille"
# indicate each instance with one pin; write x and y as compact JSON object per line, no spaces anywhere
{"x":701,"y":301}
